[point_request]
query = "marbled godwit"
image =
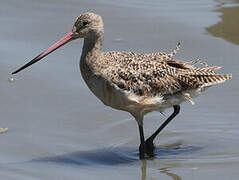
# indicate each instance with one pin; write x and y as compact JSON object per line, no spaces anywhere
{"x":134,"y":82}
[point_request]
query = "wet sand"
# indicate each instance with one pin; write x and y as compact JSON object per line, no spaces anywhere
{"x":227,"y":27}
{"x":58,"y":130}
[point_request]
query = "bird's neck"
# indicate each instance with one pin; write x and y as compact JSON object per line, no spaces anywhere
{"x":92,"y":49}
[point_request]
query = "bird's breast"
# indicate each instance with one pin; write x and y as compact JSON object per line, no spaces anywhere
{"x":103,"y":89}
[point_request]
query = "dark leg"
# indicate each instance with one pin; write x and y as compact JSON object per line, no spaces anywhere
{"x":149,"y":142}
{"x":142,"y":142}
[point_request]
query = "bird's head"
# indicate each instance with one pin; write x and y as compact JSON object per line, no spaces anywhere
{"x":87,"y":25}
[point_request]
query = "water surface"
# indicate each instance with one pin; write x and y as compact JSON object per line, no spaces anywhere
{"x":59,"y":130}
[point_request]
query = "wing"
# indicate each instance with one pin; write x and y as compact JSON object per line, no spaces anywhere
{"x":143,"y":74}
{"x":153,"y":74}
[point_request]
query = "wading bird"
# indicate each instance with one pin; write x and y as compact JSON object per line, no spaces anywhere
{"x":135,"y":82}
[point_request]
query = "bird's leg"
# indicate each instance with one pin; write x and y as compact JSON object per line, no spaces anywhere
{"x":149,"y":142}
{"x":142,"y":141}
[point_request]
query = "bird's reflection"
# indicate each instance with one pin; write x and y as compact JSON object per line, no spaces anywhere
{"x":165,"y":171}
{"x":143,"y":169}
{"x":170,"y":174}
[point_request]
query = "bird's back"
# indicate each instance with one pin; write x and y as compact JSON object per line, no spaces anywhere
{"x":156,"y":74}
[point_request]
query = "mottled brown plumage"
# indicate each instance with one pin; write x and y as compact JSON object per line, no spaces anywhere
{"x":153,"y":74}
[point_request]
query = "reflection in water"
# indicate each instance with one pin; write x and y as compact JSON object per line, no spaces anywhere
{"x":170,"y":174}
{"x":165,"y":171}
{"x":228,"y":27}
{"x":143,"y":169}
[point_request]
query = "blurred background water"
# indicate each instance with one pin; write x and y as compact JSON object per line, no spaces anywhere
{"x":59,"y":130}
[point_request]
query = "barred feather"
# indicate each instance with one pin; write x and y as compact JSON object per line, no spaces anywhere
{"x":145,"y":76}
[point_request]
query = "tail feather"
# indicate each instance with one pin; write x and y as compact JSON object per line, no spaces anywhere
{"x":175,"y":50}
{"x":212,"y":79}
{"x":202,"y":77}
{"x":211,"y":69}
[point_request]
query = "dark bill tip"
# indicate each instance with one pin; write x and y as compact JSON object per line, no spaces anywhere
{"x":28,"y":64}
{"x":70,"y":36}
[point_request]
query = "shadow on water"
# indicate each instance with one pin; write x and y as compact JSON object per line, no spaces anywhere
{"x":123,"y":155}
{"x":118,"y":155}
{"x":95,"y":157}
{"x":173,"y":150}
{"x":227,"y":27}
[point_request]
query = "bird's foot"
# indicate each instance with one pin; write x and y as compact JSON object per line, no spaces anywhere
{"x":149,"y":146}
{"x":146,"y":150}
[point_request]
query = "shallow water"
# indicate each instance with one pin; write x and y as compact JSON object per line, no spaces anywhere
{"x":58,"y":130}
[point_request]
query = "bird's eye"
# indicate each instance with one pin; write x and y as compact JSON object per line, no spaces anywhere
{"x":85,"y":23}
